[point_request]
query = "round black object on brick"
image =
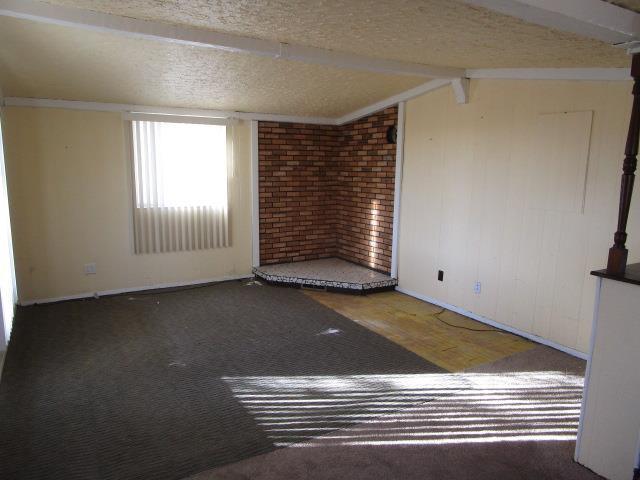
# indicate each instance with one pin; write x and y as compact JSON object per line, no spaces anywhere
{"x":392,"y":134}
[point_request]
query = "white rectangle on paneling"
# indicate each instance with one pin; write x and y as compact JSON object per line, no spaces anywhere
{"x":563,"y":152}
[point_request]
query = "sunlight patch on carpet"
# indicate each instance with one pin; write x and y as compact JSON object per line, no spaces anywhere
{"x":413,"y":409}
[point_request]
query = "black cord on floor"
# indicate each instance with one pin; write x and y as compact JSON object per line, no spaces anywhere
{"x":437,"y":315}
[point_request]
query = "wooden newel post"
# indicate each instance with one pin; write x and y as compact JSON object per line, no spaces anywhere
{"x":617,"y":263}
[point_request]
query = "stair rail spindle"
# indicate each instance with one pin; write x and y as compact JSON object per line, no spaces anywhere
{"x":617,"y":262}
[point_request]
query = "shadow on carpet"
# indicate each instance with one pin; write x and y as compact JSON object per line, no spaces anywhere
{"x":515,"y":418}
{"x":165,"y":385}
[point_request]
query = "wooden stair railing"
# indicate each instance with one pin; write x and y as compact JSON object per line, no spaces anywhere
{"x":617,"y":262}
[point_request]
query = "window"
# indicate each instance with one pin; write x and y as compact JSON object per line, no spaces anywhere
{"x":8,"y":296}
{"x":180,"y":182}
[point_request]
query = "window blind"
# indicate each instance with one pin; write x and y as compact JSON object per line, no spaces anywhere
{"x":180,"y":173}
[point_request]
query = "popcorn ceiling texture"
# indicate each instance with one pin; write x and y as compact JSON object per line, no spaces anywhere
{"x":38,"y":60}
{"x":327,"y":191}
{"x":437,"y":32}
{"x":50,"y":61}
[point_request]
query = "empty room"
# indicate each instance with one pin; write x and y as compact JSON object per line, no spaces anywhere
{"x":356,"y":239}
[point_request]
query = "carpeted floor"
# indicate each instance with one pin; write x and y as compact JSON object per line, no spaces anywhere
{"x":166,"y":385}
{"x":399,"y":445}
{"x":209,"y":383}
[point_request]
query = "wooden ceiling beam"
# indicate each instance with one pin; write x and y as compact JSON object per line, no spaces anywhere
{"x":200,"y":37}
{"x":588,"y":18}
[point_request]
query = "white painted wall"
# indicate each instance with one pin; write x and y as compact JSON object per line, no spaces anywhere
{"x":70,"y":196}
{"x":497,"y":191}
{"x":610,"y":429}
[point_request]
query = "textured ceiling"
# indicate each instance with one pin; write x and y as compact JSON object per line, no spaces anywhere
{"x":628,"y":4}
{"x":436,"y":32}
{"x":38,"y":60}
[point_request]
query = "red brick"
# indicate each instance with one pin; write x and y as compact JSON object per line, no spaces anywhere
{"x":338,"y":201}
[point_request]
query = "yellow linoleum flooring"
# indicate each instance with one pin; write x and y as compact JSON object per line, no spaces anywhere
{"x":414,"y":324}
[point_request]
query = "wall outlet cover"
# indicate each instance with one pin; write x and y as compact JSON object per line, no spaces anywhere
{"x":89,"y":268}
{"x":477,"y":289}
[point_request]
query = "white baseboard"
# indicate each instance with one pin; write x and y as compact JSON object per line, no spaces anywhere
{"x":118,"y":291}
{"x":493,"y":323}
{"x":453,"y":308}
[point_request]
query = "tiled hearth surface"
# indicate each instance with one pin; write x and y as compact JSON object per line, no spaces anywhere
{"x":330,"y":273}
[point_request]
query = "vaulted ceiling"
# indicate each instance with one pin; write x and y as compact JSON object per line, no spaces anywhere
{"x":52,"y":61}
{"x":434,"y":32}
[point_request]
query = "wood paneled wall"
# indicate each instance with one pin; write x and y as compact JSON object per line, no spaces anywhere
{"x":70,"y":201}
{"x":498,"y":191}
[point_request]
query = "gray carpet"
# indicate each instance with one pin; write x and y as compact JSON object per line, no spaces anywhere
{"x":165,"y":385}
{"x":339,"y":457}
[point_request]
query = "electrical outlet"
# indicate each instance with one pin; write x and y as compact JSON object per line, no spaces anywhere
{"x":89,"y":268}
{"x":440,"y":275}
{"x":477,"y":289}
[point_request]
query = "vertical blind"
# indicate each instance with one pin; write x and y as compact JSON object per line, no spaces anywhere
{"x":8,"y":295}
{"x":180,"y":182}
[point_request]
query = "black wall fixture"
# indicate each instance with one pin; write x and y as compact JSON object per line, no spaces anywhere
{"x":392,"y":134}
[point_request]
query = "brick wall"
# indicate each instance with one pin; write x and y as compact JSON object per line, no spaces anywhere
{"x":366,"y":185}
{"x":297,"y":200}
{"x":327,"y":191}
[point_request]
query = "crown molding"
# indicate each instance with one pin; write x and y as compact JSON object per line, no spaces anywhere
{"x":583,"y":74}
{"x":460,"y":88}
{"x":387,"y":102}
{"x":190,"y":112}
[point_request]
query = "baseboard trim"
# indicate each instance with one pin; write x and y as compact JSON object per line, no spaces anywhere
{"x":493,"y":323}
{"x":118,"y":291}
